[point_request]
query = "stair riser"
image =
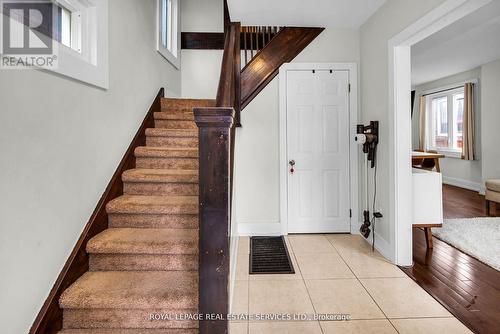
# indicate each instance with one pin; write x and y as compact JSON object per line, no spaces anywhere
{"x":169,"y":124}
{"x":174,"y":142}
{"x":146,"y":188}
{"x":143,"y":262}
{"x":123,"y":318}
{"x":168,"y":163}
{"x":153,"y":221}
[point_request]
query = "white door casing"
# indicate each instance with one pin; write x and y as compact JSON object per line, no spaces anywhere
{"x":317,"y":118}
{"x":399,"y":247}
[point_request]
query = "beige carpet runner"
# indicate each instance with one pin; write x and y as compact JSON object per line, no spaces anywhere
{"x":144,"y":267}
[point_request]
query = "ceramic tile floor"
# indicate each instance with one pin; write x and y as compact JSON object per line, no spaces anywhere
{"x":336,"y":274}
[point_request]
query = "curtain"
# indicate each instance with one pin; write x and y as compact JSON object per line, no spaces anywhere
{"x":422,"y":127}
{"x":468,"y":123}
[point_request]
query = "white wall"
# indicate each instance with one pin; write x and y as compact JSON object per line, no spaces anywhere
{"x":201,"y":68}
{"x":60,"y":142}
{"x":389,"y":20}
{"x":256,"y":180}
{"x":455,"y":171}
{"x":257,"y":142}
{"x":490,"y":120}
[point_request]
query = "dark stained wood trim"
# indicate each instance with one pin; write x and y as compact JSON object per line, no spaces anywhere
{"x":228,"y":92}
{"x":237,"y":77}
{"x":283,"y":48}
{"x":227,"y":16}
{"x":50,"y":318}
{"x":202,"y":40}
{"x":214,"y":40}
{"x":215,"y":126}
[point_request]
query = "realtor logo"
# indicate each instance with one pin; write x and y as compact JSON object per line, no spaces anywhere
{"x":27,"y":34}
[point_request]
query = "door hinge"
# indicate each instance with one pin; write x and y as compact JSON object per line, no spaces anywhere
{"x":349,"y":88}
{"x":350,"y":213}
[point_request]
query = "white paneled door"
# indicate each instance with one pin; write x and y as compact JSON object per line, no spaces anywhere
{"x":318,"y":151}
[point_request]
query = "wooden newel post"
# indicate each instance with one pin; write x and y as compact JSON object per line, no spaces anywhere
{"x":214,"y":155}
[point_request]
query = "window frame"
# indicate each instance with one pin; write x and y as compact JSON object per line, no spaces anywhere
{"x":89,"y":29}
{"x":79,"y":25}
{"x":449,"y":94}
{"x":173,"y":54}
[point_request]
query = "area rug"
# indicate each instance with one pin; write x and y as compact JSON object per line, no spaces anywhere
{"x":477,"y":237}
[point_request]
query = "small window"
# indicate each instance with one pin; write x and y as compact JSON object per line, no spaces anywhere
{"x":69,"y":28}
{"x":65,"y":26}
{"x":445,"y":112}
{"x":169,"y":32}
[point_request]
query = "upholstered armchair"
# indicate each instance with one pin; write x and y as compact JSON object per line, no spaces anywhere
{"x":492,"y":193}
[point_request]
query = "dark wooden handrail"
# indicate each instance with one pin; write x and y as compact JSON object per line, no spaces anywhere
{"x":216,"y":151}
{"x":255,"y":38}
{"x":228,"y":92}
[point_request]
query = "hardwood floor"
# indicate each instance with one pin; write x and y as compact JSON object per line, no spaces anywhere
{"x":463,"y":203}
{"x":469,"y":289}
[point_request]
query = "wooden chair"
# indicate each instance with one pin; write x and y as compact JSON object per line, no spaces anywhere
{"x":428,"y":232}
{"x":417,"y":162}
{"x":430,"y":164}
{"x":426,"y":163}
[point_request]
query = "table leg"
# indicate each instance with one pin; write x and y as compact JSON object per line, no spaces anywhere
{"x":428,"y":237}
{"x":438,"y":167}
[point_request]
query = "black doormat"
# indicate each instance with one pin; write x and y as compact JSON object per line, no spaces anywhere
{"x":269,"y":255}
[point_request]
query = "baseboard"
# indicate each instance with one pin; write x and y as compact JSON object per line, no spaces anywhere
{"x":50,"y":318}
{"x":265,"y":228}
{"x":381,"y":245}
{"x":466,"y":184}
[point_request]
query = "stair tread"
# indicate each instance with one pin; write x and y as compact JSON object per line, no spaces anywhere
{"x":179,"y":102}
{"x":166,"y":152}
{"x":144,"y":241}
{"x":179,"y":116}
{"x":154,"y":204}
{"x":129,"y":331}
{"x":162,"y":132}
{"x":160,"y":175}
{"x":133,"y":290}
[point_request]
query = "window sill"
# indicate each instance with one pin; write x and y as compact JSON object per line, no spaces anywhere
{"x":174,"y":61}
{"x":450,"y":153}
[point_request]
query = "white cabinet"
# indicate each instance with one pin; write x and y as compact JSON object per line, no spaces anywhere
{"x":427,"y":197}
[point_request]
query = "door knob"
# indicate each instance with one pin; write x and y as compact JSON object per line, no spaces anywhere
{"x":292,"y":164}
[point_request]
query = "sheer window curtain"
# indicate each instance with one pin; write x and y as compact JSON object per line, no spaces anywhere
{"x":468,"y":147}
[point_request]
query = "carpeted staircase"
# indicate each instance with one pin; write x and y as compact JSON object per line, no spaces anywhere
{"x":146,"y":262}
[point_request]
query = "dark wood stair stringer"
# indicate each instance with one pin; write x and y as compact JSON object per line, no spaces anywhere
{"x":264,"y":66}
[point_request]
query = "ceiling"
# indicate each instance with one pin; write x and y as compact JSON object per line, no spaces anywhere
{"x":466,"y":44}
{"x":317,"y":13}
